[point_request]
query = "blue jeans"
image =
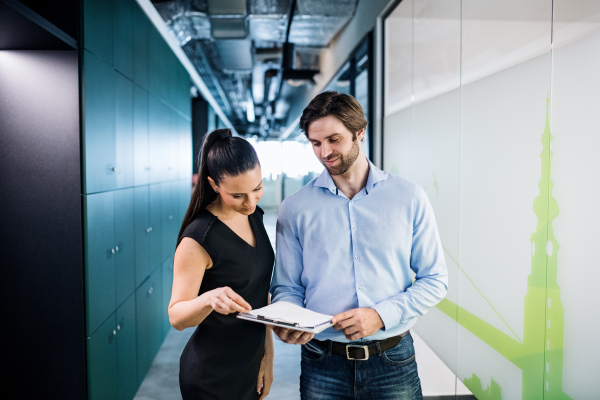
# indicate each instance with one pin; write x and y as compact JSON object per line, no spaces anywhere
{"x":389,"y":375}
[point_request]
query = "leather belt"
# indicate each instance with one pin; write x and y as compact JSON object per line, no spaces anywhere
{"x":357,"y":352}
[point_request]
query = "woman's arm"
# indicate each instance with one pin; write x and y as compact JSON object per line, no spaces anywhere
{"x":265,"y":375}
{"x":186,"y":308}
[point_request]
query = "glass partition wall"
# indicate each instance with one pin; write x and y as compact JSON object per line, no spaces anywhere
{"x":492,"y":108}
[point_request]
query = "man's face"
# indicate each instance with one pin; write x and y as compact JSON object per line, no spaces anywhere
{"x":334,"y":145}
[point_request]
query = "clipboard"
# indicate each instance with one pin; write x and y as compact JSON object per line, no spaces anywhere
{"x":291,"y":316}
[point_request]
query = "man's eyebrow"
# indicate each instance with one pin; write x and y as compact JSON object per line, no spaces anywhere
{"x":328,"y":137}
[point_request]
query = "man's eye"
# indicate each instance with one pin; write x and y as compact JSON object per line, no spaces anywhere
{"x":257,"y":189}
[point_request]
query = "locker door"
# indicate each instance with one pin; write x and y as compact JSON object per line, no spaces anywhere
{"x":149,"y":328}
{"x":97,"y":28}
{"x":141,"y":25}
{"x":170,"y":218}
{"x":99,"y":125}
{"x":123,"y":131}
{"x":126,"y":350}
{"x":167,"y":286}
{"x":156,"y":222}
{"x":157,"y":118}
{"x":124,"y":244}
{"x":123,"y":36}
{"x":99,"y":258}
{"x":141,"y":159}
{"x":143,"y":231}
{"x":102,"y":362}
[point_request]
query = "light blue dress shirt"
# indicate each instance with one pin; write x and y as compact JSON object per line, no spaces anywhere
{"x":335,"y":254}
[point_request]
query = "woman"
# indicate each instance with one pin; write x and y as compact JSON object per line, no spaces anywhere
{"x":223,"y":265}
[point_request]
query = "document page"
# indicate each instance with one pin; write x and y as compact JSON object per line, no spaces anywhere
{"x":283,"y":311}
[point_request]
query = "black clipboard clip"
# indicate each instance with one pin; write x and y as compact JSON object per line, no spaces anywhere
{"x":274,"y":321}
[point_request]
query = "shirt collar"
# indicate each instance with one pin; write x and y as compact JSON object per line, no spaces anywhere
{"x":375,"y":175}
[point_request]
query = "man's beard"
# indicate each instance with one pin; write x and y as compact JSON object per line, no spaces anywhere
{"x":346,"y":160}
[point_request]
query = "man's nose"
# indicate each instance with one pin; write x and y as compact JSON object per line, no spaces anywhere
{"x":325,"y":150}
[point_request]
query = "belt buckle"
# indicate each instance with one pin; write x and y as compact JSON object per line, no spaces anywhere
{"x":365,"y":350}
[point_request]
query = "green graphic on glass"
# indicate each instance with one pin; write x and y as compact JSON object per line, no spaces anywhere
{"x":540,"y":354}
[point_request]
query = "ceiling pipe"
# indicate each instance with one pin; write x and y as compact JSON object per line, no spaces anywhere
{"x":287,"y":58}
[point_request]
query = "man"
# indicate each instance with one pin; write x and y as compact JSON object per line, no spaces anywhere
{"x":346,"y":245}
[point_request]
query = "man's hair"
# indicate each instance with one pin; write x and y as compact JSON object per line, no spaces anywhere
{"x":342,"y":106}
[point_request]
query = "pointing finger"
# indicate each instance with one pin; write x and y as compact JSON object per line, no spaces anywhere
{"x":240,"y":302}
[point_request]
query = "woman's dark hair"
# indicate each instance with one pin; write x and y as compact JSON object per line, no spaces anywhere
{"x":340,"y":105}
{"x":221,"y":154}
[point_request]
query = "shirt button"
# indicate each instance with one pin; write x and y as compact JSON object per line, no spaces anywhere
{"x":360,"y":288}
{"x":351,"y":201}
{"x":354,"y":227}
{"x":357,"y":257}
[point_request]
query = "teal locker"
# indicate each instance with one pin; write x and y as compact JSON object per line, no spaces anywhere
{"x":123,"y":131}
{"x":182,"y":94}
{"x":140,"y":137}
{"x":126,"y":350}
{"x":97,"y":28}
{"x":148,"y":322}
{"x":156,"y":59}
{"x":99,"y":259}
{"x":123,"y":36}
{"x":171,"y":145}
{"x":143,"y":231}
{"x":157,"y":119}
{"x":170,"y":218}
{"x":102,"y":362}
{"x":124,"y":244}
{"x":167,"y":286}
{"x":141,"y":25}
{"x":99,"y":140}
{"x":184,"y":151}
{"x":184,"y":194}
{"x":156,"y":222}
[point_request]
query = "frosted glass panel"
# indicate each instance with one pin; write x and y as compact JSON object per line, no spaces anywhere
{"x":398,"y":58}
{"x":575,"y":166}
{"x":574,"y":20}
{"x":436,"y":168}
{"x":436,"y":48}
{"x":505,"y":141}
{"x":502,"y":286}
{"x":398,"y":147}
{"x":499,"y":34}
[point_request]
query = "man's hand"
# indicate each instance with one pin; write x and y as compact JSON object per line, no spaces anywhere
{"x":293,"y":336}
{"x":358,"y":323}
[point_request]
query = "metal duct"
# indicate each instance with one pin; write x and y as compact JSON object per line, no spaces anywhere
{"x":233,"y":43}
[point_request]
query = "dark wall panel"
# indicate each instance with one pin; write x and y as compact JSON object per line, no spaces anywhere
{"x":41,"y":223}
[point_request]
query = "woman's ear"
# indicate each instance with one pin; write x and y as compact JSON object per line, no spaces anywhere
{"x":212,"y":184}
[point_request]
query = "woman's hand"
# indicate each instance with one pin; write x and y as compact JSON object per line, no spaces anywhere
{"x":265,"y":374}
{"x":225,"y":301}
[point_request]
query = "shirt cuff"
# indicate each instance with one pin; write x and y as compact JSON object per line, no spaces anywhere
{"x":388,"y":314}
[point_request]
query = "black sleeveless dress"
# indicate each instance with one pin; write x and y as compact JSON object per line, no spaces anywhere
{"x":221,"y":361}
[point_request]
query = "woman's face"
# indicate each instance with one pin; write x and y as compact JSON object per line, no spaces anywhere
{"x":241,"y":193}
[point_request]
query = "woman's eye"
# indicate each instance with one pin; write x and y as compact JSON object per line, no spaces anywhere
{"x":257,"y":189}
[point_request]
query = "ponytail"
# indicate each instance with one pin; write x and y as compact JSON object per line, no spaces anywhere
{"x":221,"y":155}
